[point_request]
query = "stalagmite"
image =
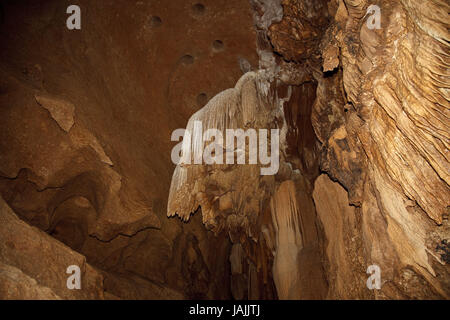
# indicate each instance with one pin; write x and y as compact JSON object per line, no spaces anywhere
{"x":286,"y":220}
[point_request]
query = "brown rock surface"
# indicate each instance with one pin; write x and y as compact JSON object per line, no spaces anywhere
{"x":86,"y":175}
{"x":388,"y":143}
{"x":85,"y":124}
{"x":34,"y":264}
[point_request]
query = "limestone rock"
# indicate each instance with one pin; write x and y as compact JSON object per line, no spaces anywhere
{"x":61,"y":110}
{"x":15,"y":285}
{"x":384,"y":138}
{"x":363,"y":176}
{"x":41,"y":262}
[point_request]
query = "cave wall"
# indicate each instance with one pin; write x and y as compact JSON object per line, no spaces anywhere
{"x":85,"y":125}
{"x":85,"y":165}
{"x":388,"y":146}
{"x":378,"y":159}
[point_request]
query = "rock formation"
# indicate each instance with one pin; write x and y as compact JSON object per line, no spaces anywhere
{"x":350,"y":96}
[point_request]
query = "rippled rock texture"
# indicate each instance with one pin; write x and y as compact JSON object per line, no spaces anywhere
{"x":85,"y":149}
{"x":388,"y":146}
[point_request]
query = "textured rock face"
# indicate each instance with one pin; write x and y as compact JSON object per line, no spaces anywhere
{"x":34,"y":264}
{"x":262,"y":214}
{"x":296,"y":37}
{"x":380,"y":115}
{"x":389,"y":148}
{"x":363,"y":180}
{"x":344,"y":248}
{"x":85,"y":124}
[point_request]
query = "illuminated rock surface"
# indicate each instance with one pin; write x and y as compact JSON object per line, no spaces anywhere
{"x":86,"y":176}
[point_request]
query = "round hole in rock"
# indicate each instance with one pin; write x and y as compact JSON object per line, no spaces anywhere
{"x":202,"y":99}
{"x":218,"y":45}
{"x":155,"y":22}
{"x":198,"y":9}
{"x":187,"y":59}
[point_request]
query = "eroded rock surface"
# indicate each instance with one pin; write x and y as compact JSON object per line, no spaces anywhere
{"x":85,"y":154}
{"x":380,"y":114}
{"x":85,"y":123}
{"x":34,"y":264}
